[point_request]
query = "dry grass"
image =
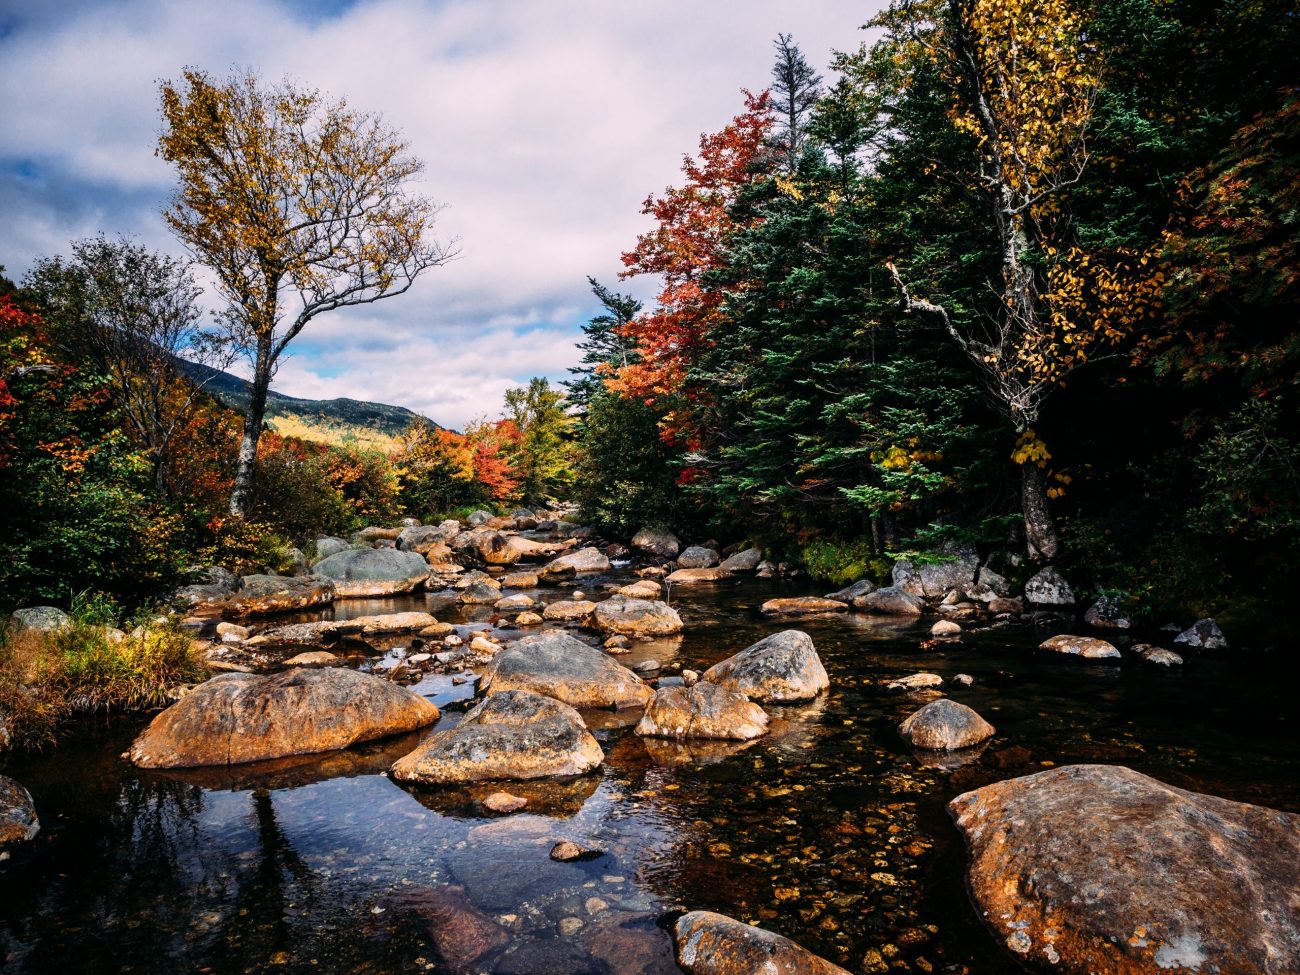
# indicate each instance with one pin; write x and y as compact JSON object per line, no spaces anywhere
{"x":46,"y":678}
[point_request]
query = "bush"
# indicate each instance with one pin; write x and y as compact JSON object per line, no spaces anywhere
{"x":47,"y":678}
{"x":843,"y":562}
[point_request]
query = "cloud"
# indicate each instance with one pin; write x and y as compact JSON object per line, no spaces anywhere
{"x":543,"y":126}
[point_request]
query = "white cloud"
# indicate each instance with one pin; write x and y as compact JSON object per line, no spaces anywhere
{"x":543,"y":127}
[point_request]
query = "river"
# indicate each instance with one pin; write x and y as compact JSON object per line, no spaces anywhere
{"x":829,"y":831}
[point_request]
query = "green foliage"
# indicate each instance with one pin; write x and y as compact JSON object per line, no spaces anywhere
{"x":540,"y":454}
{"x":843,"y":562}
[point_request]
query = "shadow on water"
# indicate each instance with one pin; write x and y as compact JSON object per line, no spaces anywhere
{"x":828,"y":830}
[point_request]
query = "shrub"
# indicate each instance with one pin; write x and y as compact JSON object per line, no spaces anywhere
{"x":843,"y":562}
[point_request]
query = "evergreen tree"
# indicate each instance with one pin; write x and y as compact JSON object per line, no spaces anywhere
{"x":796,"y":87}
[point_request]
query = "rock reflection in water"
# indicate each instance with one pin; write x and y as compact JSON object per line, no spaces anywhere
{"x":557,"y":798}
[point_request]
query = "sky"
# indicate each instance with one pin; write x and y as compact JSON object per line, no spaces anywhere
{"x":543,"y":125}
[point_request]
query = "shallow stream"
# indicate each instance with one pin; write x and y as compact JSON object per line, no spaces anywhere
{"x":829,"y":830}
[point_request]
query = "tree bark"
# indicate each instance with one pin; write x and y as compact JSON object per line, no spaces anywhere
{"x":243,"y":487}
{"x":1040,"y":530}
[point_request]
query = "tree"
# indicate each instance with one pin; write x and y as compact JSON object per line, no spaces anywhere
{"x":299,"y":205}
{"x":539,"y":452}
{"x":1025,"y":79}
{"x":796,"y":87}
{"x":133,"y":315}
{"x":604,"y":348}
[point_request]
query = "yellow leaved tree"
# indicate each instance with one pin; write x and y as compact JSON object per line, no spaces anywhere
{"x":1025,"y":80}
{"x":299,"y":206}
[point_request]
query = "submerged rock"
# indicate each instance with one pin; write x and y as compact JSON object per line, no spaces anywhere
{"x":565,"y":668}
{"x":657,"y":542}
{"x":236,"y":718}
{"x":374,"y":572}
{"x":1097,"y":868}
{"x":514,"y":734}
{"x":945,"y":725}
{"x":802,"y":606}
{"x":890,"y":601}
{"x":1049,"y":588}
{"x":459,"y":930}
{"x":1204,"y":635}
{"x":1090,"y":648}
{"x":18,"y":821}
{"x":714,"y":944}
{"x":782,"y":668}
{"x":703,"y":710}
{"x":637,"y":617}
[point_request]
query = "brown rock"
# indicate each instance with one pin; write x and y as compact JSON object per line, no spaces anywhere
{"x":569,"y":610}
{"x":1097,"y":868}
{"x":461,"y":932}
{"x":636,"y":617}
{"x":566,"y":851}
{"x":236,"y":718}
{"x":782,"y":668}
{"x":18,"y":822}
{"x":565,"y":668}
{"x":528,"y":619}
{"x":714,"y":944}
{"x":802,"y":606}
{"x":312,"y":658}
{"x":890,"y":601}
{"x":1086,"y":647}
{"x":688,"y":577}
{"x":510,"y":735}
{"x":504,"y":802}
{"x":266,"y":595}
{"x":703,"y":710}
{"x":518,"y":600}
{"x":945,"y":725}
{"x":1004,"y":605}
{"x":520,"y":580}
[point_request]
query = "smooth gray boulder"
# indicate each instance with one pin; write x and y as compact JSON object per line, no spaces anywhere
{"x":374,"y":572}
{"x":40,"y":618}
{"x":1098,"y":868}
{"x":945,"y":725}
{"x":782,"y":668}
{"x":747,"y":560}
{"x":512,"y":735}
{"x":657,"y":542}
{"x":328,"y":545}
{"x":890,"y":601}
{"x":478,"y":518}
{"x":855,"y":590}
{"x":563,"y":667}
{"x":697,"y":557}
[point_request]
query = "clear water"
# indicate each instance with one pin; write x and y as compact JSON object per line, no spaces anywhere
{"x":829,"y":831}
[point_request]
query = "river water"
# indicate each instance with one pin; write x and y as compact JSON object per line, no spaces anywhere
{"x":829,"y":831}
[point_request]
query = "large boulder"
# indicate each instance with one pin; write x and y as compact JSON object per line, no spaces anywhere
{"x":855,"y":590}
{"x":236,"y":718}
{"x":563,"y":667}
{"x":487,"y":545}
{"x":782,"y":668}
{"x":1097,"y":868}
{"x":43,"y":618}
{"x":1203,"y":635}
{"x":569,"y":611}
{"x":514,"y":734}
{"x":957,"y":571}
{"x":802,"y":606}
{"x":697,"y":557}
{"x":18,"y":822}
{"x":582,"y":562}
{"x":1049,"y":588}
{"x":657,"y":542}
{"x":478,"y":594}
{"x":211,"y":583}
{"x":714,"y":944}
{"x":703,"y":710}
{"x":746,"y":560}
{"x":328,"y":545}
{"x":946,"y":726}
{"x":637,"y":617}
{"x":373,"y":572}
{"x":1087,"y":647}
{"x":890,"y":601}
{"x":266,"y":595}
{"x":425,"y":538}
{"x":478,"y":518}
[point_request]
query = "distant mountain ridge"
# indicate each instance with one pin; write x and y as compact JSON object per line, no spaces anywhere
{"x":329,"y":414}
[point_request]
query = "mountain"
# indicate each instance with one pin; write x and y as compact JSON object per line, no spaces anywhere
{"x":330,"y":420}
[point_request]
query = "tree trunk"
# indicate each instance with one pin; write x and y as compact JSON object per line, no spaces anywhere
{"x":1040,"y":530}
{"x":243,"y":486}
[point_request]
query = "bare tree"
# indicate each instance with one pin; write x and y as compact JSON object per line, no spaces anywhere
{"x":796,"y":87}
{"x":299,"y":205}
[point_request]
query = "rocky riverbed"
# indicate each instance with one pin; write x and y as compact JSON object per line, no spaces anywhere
{"x":806,"y":813}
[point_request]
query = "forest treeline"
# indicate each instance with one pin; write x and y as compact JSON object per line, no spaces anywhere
{"x":1021,"y":275}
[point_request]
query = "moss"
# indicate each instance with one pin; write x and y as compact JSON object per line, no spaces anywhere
{"x":843,"y":562}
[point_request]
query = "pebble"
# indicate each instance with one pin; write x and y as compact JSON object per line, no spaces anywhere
{"x":565,"y":851}
{"x":504,"y":802}
{"x":569,"y":926}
